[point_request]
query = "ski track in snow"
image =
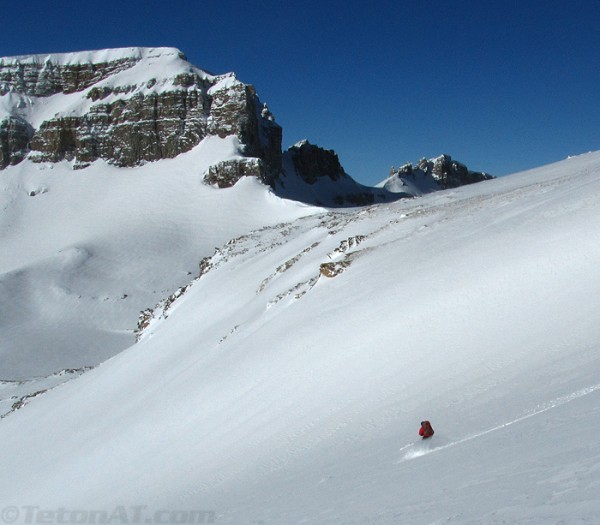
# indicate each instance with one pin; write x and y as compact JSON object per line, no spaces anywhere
{"x":559,"y":401}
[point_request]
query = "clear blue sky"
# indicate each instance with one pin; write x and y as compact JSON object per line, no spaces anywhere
{"x":500,"y":85}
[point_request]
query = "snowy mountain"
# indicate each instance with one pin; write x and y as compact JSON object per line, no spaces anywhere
{"x":129,"y":107}
{"x":198,"y":327}
{"x":117,"y":152}
{"x":136,"y":105}
{"x":126,"y":106}
{"x":286,"y":383}
{"x":314,"y":175}
{"x":440,"y":173}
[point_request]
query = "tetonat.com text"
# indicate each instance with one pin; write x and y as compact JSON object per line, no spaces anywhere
{"x":29,"y":514}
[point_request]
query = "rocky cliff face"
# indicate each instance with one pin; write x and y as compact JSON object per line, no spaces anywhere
{"x":15,"y":136}
{"x":128,"y":107}
{"x":40,"y":76}
{"x":236,"y":110}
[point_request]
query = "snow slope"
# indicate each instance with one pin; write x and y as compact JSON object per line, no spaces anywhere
{"x":83,"y":252}
{"x":272,"y":394}
{"x":417,"y":184}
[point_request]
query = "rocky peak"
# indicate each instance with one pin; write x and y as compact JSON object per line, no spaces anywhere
{"x":314,"y":175}
{"x":236,"y":110}
{"x":433,"y":174}
{"x":135,"y":105}
{"x":313,"y":163}
{"x":451,"y":173}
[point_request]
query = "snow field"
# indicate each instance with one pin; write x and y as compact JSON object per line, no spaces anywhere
{"x":83,"y":257}
{"x":273,"y":394}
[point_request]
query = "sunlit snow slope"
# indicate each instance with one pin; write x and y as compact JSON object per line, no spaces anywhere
{"x":84,"y":251}
{"x":273,"y":394}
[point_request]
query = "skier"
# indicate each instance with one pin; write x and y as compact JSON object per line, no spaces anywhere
{"x":426,"y":431}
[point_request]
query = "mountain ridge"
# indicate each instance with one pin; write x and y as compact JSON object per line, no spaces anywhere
{"x":138,"y":105}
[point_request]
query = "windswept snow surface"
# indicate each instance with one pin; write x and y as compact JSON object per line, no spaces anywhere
{"x":272,"y":395}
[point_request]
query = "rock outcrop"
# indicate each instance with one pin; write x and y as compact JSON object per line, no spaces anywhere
{"x":15,"y":136}
{"x":40,"y":76}
{"x":126,"y":132}
{"x":236,"y":110}
{"x":313,"y":163}
{"x":225,"y":174}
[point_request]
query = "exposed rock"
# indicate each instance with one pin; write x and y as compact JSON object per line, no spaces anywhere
{"x":226,"y":174}
{"x":42,"y":79}
{"x":315,"y":175}
{"x":127,"y":132}
{"x":350,"y":242}
{"x":15,"y":135}
{"x":451,"y":174}
{"x":160,"y":311}
{"x":129,"y":118}
{"x":312,"y":162}
{"x":333,"y":269}
{"x":235,"y":110}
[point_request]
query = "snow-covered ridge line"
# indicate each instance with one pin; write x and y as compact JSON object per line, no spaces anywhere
{"x":94,"y":56}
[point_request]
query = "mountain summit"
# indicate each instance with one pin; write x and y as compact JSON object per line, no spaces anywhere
{"x":127,"y":106}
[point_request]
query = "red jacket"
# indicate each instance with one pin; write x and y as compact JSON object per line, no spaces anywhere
{"x":425,"y":431}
